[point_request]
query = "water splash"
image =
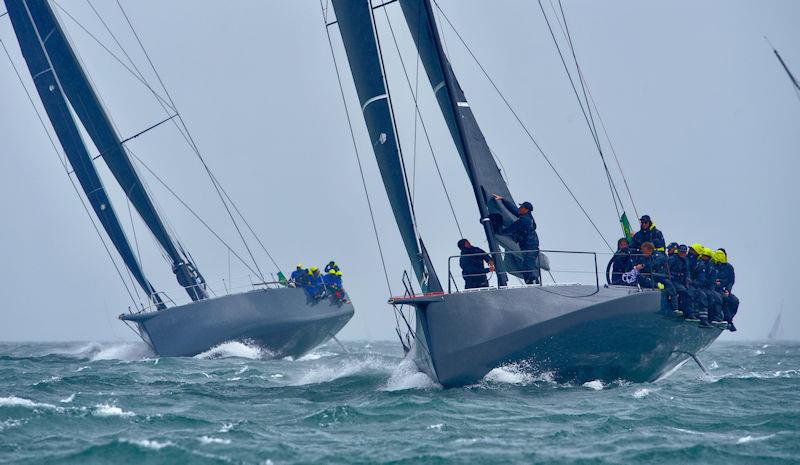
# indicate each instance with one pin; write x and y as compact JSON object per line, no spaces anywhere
{"x":106,"y":410}
{"x":595,"y":385}
{"x":235,"y":349}
{"x":748,"y":438}
{"x":406,"y":376}
{"x":641,"y":393}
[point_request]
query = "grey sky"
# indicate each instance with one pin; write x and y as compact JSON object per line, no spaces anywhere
{"x":699,"y":110}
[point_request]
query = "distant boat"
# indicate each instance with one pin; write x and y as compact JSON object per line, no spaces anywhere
{"x":281,"y":319}
{"x":579,"y":332}
{"x":776,"y":332}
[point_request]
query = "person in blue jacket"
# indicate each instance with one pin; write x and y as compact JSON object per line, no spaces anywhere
{"x":333,"y":284}
{"x":299,"y":277}
{"x":697,"y":276}
{"x":471,"y":261}
{"x":647,"y":233}
{"x":652,"y":267}
{"x":331,"y":266}
{"x":713,"y":297}
{"x":315,"y":287}
{"x":524,"y":233}
{"x":620,"y":263}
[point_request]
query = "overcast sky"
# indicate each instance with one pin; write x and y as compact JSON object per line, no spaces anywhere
{"x":702,"y":116}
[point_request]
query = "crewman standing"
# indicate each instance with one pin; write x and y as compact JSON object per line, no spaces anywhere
{"x":524,"y":233}
{"x":471,"y":262}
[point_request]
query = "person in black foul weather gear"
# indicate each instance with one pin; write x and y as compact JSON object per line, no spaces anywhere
{"x":471,"y":262}
{"x":679,"y":275}
{"x":697,"y":274}
{"x":652,"y":266}
{"x":724,"y":284}
{"x":524,"y":233}
{"x":620,"y":263}
{"x":648,"y":233}
{"x":715,"y":315}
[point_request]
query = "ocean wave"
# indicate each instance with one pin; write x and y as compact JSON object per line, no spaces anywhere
{"x":95,"y":351}
{"x":235,"y":349}
{"x":315,"y":355}
{"x":107,"y":410}
{"x":68,"y":399}
{"x":641,"y":393}
{"x":748,"y":438}
{"x":213,"y":440}
{"x":406,"y":376}
{"x":14,"y":401}
{"x":523,"y":373}
{"x":149,"y":444}
{"x":595,"y":385}
{"x":351,"y":367}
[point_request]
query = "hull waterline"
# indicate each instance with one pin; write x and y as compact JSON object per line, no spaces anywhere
{"x":579,"y":333}
{"x":283,"y":321}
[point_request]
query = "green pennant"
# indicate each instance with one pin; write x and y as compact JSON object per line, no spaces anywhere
{"x":626,"y":226}
{"x":282,"y":279}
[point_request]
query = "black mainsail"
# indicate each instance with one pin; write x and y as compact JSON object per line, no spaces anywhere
{"x":62,"y":82}
{"x":358,"y":34}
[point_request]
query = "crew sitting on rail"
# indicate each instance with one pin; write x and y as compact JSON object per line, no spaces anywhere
{"x":315,"y":288}
{"x":333,"y":285}
{"x":724,"y":284}
{"x":652,"y":268}
{"x":471,"y":262}
{"x":299,"y":277}
{"x":620,"y":263}
{"x":648,"y":233}
{"x":679,"y":275}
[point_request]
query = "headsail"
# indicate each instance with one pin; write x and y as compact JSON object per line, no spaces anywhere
{"x":478,"y":160}
{"x":86,"y":105}
{"x":358,"y":34}
{"x":33,"y":42}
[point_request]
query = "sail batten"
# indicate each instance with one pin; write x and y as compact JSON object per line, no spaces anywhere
{"x":358,"y":34}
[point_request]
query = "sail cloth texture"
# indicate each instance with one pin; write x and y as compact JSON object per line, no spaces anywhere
{"x":477,"y":158}
{"x":358,"y":35}
{"x":31,"y":37}
{"x":89,"y":110}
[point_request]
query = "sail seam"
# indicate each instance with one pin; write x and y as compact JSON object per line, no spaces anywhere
{"x":372,"y":100}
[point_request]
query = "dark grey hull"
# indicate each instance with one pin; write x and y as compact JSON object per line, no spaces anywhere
{"x":283,"y":321}
{"x":573,"y":331}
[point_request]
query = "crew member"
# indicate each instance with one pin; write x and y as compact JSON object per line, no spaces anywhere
{"x":652,"y":267}
{"x":524,"y":233}
{"x":315,"y":288}
{"x":620,"y":263}
{"x":299,"y":277}
{"x":713,"y":297}
{"x":724,"y":284}
{"x":472,"y":269}
{"x":647,"y":233}
{"x":331,"y":266}
{"x":679,"y":275}
{"x":697,"y":275}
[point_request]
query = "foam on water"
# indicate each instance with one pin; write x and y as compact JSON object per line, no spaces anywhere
{"x":316,"y":355}
{"x":69,"y":399}
{"x":406,"y":375}
{"x":149,"y":444}
{"x":641,"y":393}
{"x":95,"y":351}
{"x":213,"y":440}
{"x":106,"y":410}
{"x":595,"y":385}
{"x":327,"y":373}
{"x":235,"y":349}
{"x":748,"y":438}
{"x":14,"y":401}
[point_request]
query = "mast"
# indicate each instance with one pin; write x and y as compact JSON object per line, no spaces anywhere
{"x":483,"y":173}
{"x":75,"y":86}
{"x":32,"y":42}
{"x":358,"y":34}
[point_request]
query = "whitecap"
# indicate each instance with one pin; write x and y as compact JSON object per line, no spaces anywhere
{"x":326,"y":374}
{"x":758,"y":352}
{"x":50,"y":380}
{"x":642,"y":393}
{"x":10,"y":423}
{"x":235,"y":378}
{"x":106,"y":410}
{"x":213,"y":440}
{"x":748,"y":438}
{"x":226,"y":427}
{"x":509,"y":374}
{"x":148,"y":444}
{"x":406,"y":375}
{"x":596,"y":385}
{"x":437,"y":426}
{"x":314,"y":355}
{"x":234,"y":349}
{"x":14,"y":401}
{"x":80,"y":369}
{"x":68,"y":399}
{"x":242,"y":370}
{"x":276,"y":375}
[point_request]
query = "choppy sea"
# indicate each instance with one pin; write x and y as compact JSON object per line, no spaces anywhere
{"x":114,"y":403}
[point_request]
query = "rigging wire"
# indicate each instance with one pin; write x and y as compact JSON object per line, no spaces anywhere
{"x":355,"y":147}
{"x":217,"y":186}
{"x":525,"y":129}
{"x":424,"y":127}
{"x":71,"y":180}
{"x":587,"y":117}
